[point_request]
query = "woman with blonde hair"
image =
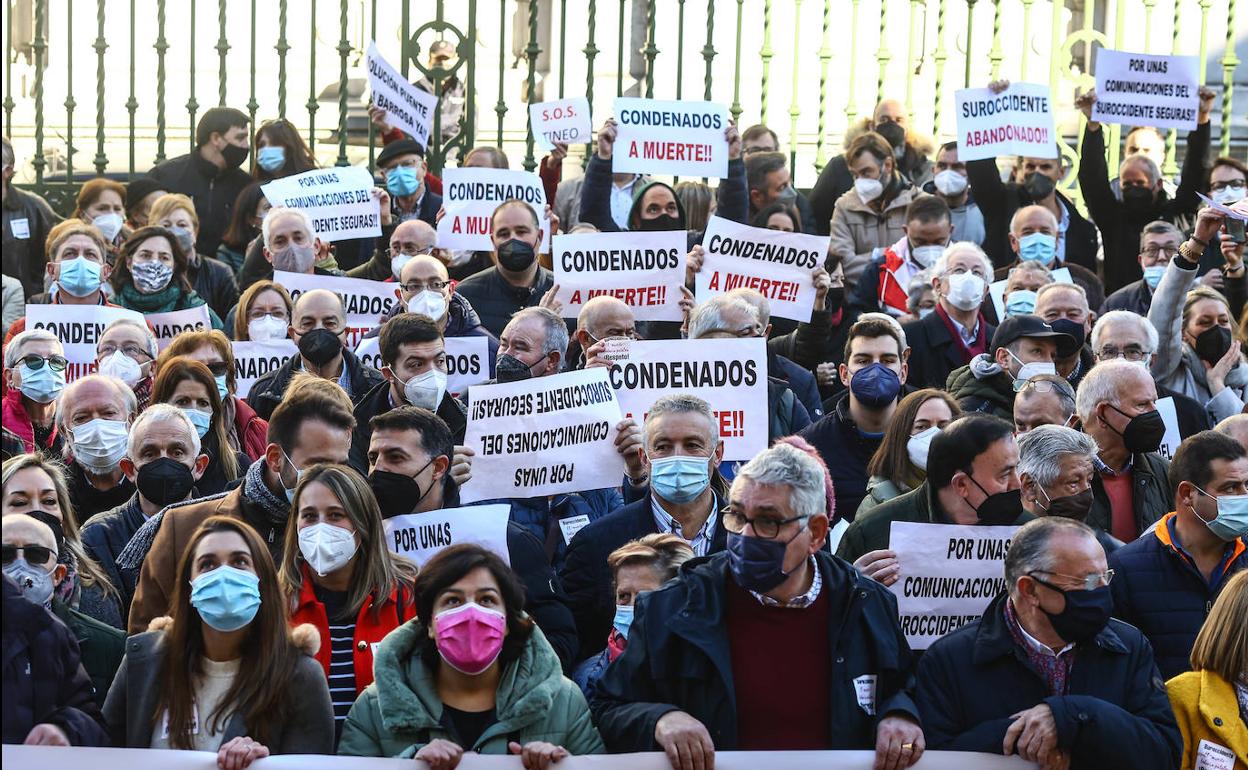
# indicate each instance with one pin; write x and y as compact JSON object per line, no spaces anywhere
{"x":263,"y":313}
{"x":1210,"y":702}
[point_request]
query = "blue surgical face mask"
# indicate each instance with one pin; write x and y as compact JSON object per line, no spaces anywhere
{"x":1232,"y":519}
{"x":679,"y":479}
{"x":924,"y":312}
{"x":623,"y":619}
{"x":271,"y":158}
{"x":227,"y":598}
{"x":201,"y":420}
{"x":222,"y":390}
{"x":875,"y":386}
{"x":1037,"y":247}
{"x":290,"y":491}
{"x":79,"y":276}
{"x":1153,"y":274}
{"x":1020,"y":302}
{"x":41,"y":385}
{"x":401,"y":181}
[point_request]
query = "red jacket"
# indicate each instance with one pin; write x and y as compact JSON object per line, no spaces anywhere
{"x":13,"y":416}
{"x":370,"y":628}
{"x":889,"y":292}
{"x":253,"y":430}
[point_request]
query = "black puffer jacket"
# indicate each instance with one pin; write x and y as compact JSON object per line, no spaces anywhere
{"x":267,"y":391}
{"x":213,"y":280}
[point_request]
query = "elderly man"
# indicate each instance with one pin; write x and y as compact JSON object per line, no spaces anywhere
{"x":1064,"y":306}
{"x":38,"y":575}
{"x":1023,"y":282}
{"x":801,"y":381}
{"x":95,"y":418}
{"x":1023,"y":347}
{"x":972,"y":478}
{"x":516,"y":280}
{"x":1035,"y":236}
{"x":1117,"y":404}
{"x":408,"y":239}
{"x":1046,"y":673}
{"x":1235,"y":426}
{"x":425,"y":287}
{"x":34,"y":377}
{"x":163,"y":462}
{"x":682,"y":453}
{"x":402,"y":167}
{"x":1046,"y":399}
{"x":1055,"y":468}
{"x":721,"y":622}
{"x":1159,"y":242}
{"x":1171,"y":575}
{"x":601,"y":318}
{"x":127,"y":350}
{"x":318,"y":326}
{"x":956,"y":331}
{"x":289,"y":243}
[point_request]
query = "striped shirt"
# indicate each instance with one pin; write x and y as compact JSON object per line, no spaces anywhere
{"x":342,"y":655}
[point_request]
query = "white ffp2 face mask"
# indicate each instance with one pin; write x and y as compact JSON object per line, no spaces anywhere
{"x":919,"y":444}
{"x":326,"y":548}
{"x":428,"y":303}
{"x":868,"y":189}
{"x":966,"y":290}
{"x":426,"y":389}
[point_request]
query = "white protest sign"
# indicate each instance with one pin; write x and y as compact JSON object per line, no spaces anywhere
{"x":470,"y":195}
{"x":996,"y":289}
{"x":948,"y":575}
{"x":365,"y":301}
{"x":419,"y":536}
{"x":682,"y":138}
{"x":1142,"y":89}
{"x":171,"y":324}
{"x":563,"y":121}
{"x":774,"y":263}
{"x":1172,"y":438}
{"x":407,"y":107}
{"x":543,"y":436}
{"x":643,"y":270}
{"x":78,"y":327}
{"x":1239,"y":214}
{"x":729,"y":374}
{"x":1017,"y":121}
{"x":467,"y":360}
{"x":253,"y":360}
{"x":338,"y":200}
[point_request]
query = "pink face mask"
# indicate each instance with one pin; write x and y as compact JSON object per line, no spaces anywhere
{"x":470,"y":637}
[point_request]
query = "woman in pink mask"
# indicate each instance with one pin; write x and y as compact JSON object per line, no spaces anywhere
{"x":471,"y":672}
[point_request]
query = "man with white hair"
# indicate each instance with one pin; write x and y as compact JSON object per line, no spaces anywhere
{"x":1117,"y":404}
{"x":289,"y":242}
{"x":163,"y":462}
{"x":95,"y":418}
{"x":1055,"y":467}
{"x":34,"y":377}
{"x":956,"y":331}
{"x":793,"y":649}
{"x":1046,"y":673}
{"x":601,"y":318}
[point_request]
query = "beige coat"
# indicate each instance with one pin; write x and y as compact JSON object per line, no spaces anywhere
{"x":858,"y":230}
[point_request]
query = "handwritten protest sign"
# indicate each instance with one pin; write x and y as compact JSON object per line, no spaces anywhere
{"x":171,"y":324}
{"x":407,"y":107}
{"x":565,"y":121}
{"x":948,"y":575}
{"x":419,"y":536}
{"x":730,"y":374}
{"x":543,"y":436}
{"x":772,"y":262}
{"x":1142,"y":89}
{"x":253,"y":360}
{"x":682,"y":138}
{"x":467,"y":360}
{"x":1017,"y":121}
{"x":338,"y":200}
{"x":470,"y":195}
{"x":78,"y":327}
{"x":643,"y":270}
{"x":365,"y":301}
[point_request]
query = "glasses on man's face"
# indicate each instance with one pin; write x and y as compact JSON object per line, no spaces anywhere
{"x":130,"y":349}
{"x":413,"y":287}
{"x":1154,"y":251}
{"x":408,"y":250}
{"x":1087,"y":582}
{"x":1237,"y":184}
{"x":35,"y":555}
{"x":765,"y":527}
{"x":1043,"y":386}
{"x":1130,"y":352}
{"x":35,"y":362}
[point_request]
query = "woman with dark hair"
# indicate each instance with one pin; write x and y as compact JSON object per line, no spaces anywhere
{"x":212,"y":279}
{"x":150,"y":275}
{"x":189,"y":385}
{"x":900,"y":463}
{"x":249,"y":210}
{"x":778,"y":216}
{"x":280,"y":151}
{"x":225,"y":672}
{"x":471,"y":672}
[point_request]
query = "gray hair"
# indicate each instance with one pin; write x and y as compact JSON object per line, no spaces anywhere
{"x":556,"y":338}
{"x":1100,"y":386}
{"x":1029,"y":266}
{"x":679,"y":403}
{"x":123,"y":391}
{"x":1029,"y":549}
{"x":788,"y":466}
{"x":13,"y":352}
{"x":941,"y":267}
{"x":1051,"y":287}
{"x":1126,"y":317}
{"x":278,"y":212}
{"x":921,"y":282}
{"x":1026,"y":210}
{"x":153,"y":349}
{"x":160,"y":413}
{"x":1159,"y":227}
{"x":755,"y":298}
{"x":1040,"y":451}
{"x":1140,"y":159}
{"x":708,"y":317}
{"x":1065,"y":392}
{"x":10,"y":160}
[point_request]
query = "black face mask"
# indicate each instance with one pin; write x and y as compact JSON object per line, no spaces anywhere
{"x":1212,"y":344}
{"x":998,"y":509}
{"x":893,"y":133}
{"x":54,"y":524}
{"x":508,"y":368}
{"x":662,"y":222}
{"x":1038,"y":186}
{"x":1072,"y":328}
{"x":164,"y":481}
{"x":397,"y":493}
{"x":1085,"y":614}
{"x":1074,"y":506}
{"x":234,"y":155}
{"x":1137,"y":200}
{"x":319,"y":346}
{"x":516,"y":255}
{"x":836,"y":298}
{"x":1143,"y":433}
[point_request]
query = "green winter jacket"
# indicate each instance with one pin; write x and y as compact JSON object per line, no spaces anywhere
{"x":399,"y":713}
{"x":880,"y":490}
{"x":992,"y":395}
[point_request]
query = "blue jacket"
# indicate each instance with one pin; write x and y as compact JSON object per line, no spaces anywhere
{"x":1158,"y":589}
{"x":678,"y":659}
{"x":541,"y":515}
{"x":1115,"y":715}
{"x":801,"y":381}
{"x":846,"y":452}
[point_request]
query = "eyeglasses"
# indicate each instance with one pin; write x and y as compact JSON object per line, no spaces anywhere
{"x":735,"y":522}
{"x":1131,"y":353}
{"x":131,"y":350}
{"x":1043,"y":386}
{"x":1153,"y":251}
{"x":409,"y":250}
{"x":36,"y":555}
{"x":412,"y":287}
{"x":1089,"y":582}
{"x":1238,"y":184}
{"x":35,"y":362}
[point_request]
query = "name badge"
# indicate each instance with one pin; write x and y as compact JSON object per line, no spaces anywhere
{"x":1211,"y":756}
{"x":864,"y":690}
{"x":572,"y":525}
{"x":20,"y":228}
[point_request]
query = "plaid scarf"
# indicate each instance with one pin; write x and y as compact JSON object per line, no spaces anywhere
{"x":1054,"y":668}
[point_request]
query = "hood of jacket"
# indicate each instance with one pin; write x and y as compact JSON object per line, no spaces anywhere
{"x":407,"y":694}
{"x":982,"y":378}
{"x":639,"y":192}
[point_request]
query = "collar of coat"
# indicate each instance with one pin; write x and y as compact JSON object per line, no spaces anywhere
{"x":993,"y":640}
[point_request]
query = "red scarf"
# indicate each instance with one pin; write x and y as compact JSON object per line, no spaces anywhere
{"x":980,"y":345}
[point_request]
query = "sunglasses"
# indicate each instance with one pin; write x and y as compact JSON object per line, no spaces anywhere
{"x":219,"y":368}
{"x":36,"y":555}
{"x":35,"y":363}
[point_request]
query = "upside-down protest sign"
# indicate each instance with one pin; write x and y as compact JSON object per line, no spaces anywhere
{"x":643,"y":270}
